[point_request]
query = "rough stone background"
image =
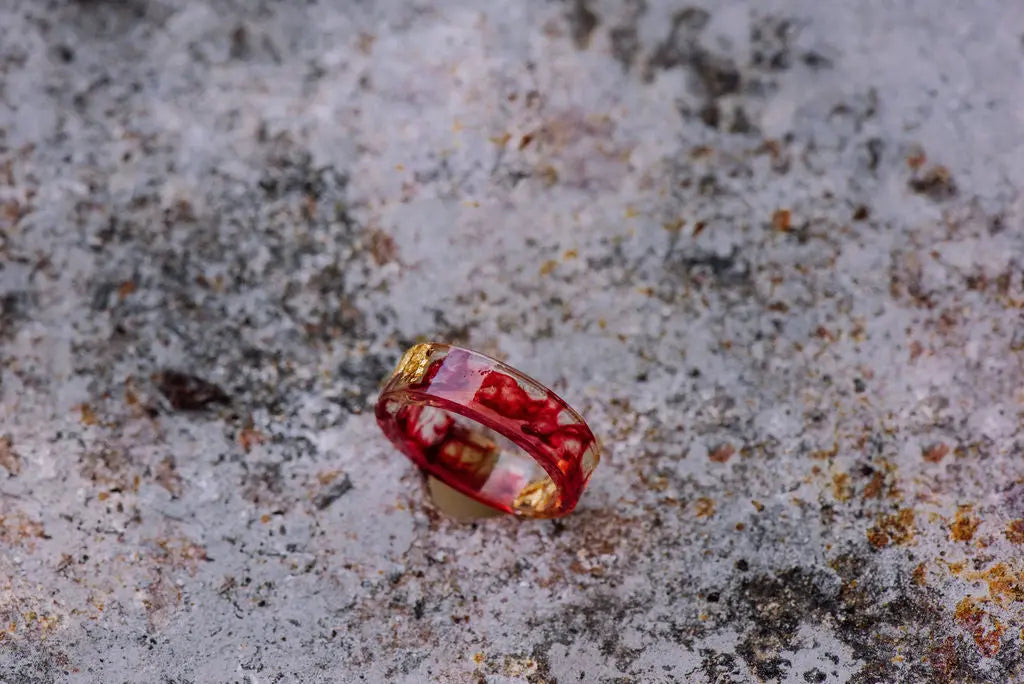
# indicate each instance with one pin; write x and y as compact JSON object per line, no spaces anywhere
{"x":773,"y":251}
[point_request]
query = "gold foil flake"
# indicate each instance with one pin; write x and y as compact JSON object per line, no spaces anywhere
{"x":414,"y":364}
{"x":537,"y":497}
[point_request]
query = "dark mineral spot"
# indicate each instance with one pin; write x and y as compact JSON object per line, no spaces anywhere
{"x":680,"y":46}
{"x":816,"y":60}
{"x":582,"y":22}
{"x":333,"y":493}
{"x":718,"y":75}
{"x":815,"y":675}
{"x":188,"y":392}
{"x":625,"y":45}
{"x":240,"y":48}
{"x":936,"y":184}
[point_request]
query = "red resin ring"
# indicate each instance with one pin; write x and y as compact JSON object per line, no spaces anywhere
{"x":487,"y":430}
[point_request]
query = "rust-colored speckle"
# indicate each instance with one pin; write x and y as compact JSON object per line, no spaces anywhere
{"x":825,"y":454}
{"x":705,"y":507}
{"x":548,"y":266}
{"x":964,"y":524}
{"x":781,"y":220}
{"x":88,"y":415}
{"x":721,"y":453}
{"x":916,"y":158}
{"x":249,"y":437}
{"x":757,"y":505}
{"x":919,"y":575}
{"x":897,"y":528}
{"x":382,"y":247}
{"x":1015,"y":531}
{"x":125,"y":289}
{"x":9,"y":458}
{"x":935,"y":452}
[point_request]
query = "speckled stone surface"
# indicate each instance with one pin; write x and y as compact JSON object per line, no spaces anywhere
{"x":773,"y":251}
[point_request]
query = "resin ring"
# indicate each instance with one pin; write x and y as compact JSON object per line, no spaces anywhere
{"x":487,"y":430}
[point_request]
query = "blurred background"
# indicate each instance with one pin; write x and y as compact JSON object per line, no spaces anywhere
{"x":771,"y":251}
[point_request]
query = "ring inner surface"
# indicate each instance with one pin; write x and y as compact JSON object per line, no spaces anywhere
{"x":479,"y":461}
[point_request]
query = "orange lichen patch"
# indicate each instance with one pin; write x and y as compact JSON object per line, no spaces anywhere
{"x":967,"y":612}
{"x":964,"y":524}
{"x":781,"y":220}
{"x":988,"y":641}
{"x":957,"y":567}
{"x":897,"y":528}
{"x":721,"y":453}
{"x":986,"y":630}
{"x":1015,"y":531}
{"x":705,"y":507}
{"x":548,"y":266}
{"x":1004,"y":585}
{"x":842,"y":490}
{"x":935,"y":452}
{"x":873,"y":490}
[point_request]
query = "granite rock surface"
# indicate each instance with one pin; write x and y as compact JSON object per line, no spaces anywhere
{"x":773,"y":251}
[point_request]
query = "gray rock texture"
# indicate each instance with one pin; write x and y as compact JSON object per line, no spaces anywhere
{"x":773,"y":251}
